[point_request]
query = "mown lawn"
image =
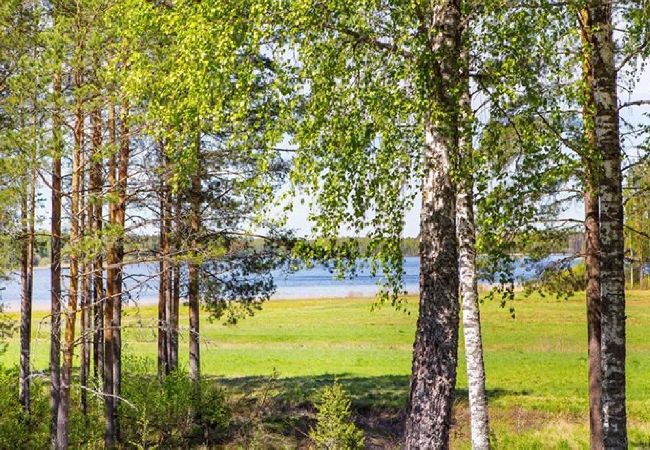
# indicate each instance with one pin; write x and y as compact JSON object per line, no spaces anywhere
{"x":536,"y":365}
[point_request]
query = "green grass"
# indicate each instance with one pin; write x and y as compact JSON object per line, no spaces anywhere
{"x":536,"y":363}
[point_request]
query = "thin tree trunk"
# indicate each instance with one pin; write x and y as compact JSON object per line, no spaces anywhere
{"x":111,"y":295}
{"x":55,"y":267}
{"x":71,"y":313}
{"x":84,"y":368}
{"x":27,"y":271}
{"x":98,"y":266}
{"x":466,"y":230}
{"x":120,"y":221}
{"x":435,"y":351}
{"x":612,"y":239}
{"x":193,"y":269}
{"x":164,"y":300}
{"x":592,"y":244}
{"x":176,"y":292}
{"x":592,"y":263}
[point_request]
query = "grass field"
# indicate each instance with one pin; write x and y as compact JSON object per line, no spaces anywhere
{"x":536,"y":364}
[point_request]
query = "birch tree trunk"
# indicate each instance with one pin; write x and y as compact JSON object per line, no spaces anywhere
{"x":435,"y":355}
{"x":435,"y":350}
{"x":612,"y":271}
{"x":466,"y":230}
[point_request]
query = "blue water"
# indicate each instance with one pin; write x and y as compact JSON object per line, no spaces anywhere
{"x":142,"y":283}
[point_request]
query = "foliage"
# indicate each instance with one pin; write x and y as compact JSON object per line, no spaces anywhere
{"x":171,"y":411}
{"x":335,"y":429}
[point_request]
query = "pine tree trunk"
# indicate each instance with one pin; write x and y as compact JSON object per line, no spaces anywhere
{"x":55,"y":267}
{"x":592,"y":263}
{"x":176,"y":292}
{"x":84,"y":367}
{"x":612,"y":239}
{"x":111,"y":295}
{"x":164,"y":300}
{"x":435,"y":351}
{"x":193,"y":269}
{"x":71,"y":313}
{"x":120,"y":221}
{"x":592,"y":240}
{"x":27,"y":271}
{"x":98,"y":264}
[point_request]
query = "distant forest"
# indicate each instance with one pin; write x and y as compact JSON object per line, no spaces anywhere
{"x":141,"y":247}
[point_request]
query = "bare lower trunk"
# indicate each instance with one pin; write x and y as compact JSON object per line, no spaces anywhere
{"x":435,"y":350}
{"x":84,"y":366}
{"x":612,"y":269}
{"x":466,"y":232}
{"x":55,"y":267}
{"x":193,"y":270}
{"x":592,"y":244}
{"x":109,"y":303}
{"x":164,"y":300}
{"x":98,"y":263}
{"x":592,"y":264}
{"x":27,"y":272}
{"x":120,"y":220}
{"x":71,"y":313}
{"x":176,"y":294}
{"x":472,"y":324}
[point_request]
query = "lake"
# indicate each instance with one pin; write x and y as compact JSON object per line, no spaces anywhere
{"x":317,"y":282}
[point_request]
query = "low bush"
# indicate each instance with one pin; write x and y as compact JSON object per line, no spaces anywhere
{"x":171,"y":411}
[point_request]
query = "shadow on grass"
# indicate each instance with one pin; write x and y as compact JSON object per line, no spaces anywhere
{"x":381,"y":391}
{"x":379,"y":402}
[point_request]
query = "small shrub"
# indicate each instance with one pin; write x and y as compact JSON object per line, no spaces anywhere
{"x":335,"y":429}
{"x":17,"y":429}
{"x":170,"y":412}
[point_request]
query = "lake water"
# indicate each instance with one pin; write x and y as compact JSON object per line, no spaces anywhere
{"x":317,"y":282}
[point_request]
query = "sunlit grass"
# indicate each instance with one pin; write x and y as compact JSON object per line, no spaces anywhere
{"x":536,"y":363}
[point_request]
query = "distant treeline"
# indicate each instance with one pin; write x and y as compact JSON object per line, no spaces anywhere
{"x":140,"y":246}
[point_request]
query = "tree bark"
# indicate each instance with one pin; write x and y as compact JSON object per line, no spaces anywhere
{"x":612,"y":268}
{"x":592,"y":258}
{"x":84,"y":367}
{"x":164,"y":290}
{"x":111,"y":295}
{"x":435,"y":350}
{"x":55,"y":266}
{"x":71,"y":313}
{"x":466,"y":231}
{"x":98,"y":263}
{"x":27,"y":273}
{"x":176,"y":291}
{"x":193,"y":268}
{"x":120,"y":221}
{"x":592,"y":263}
{"x":592,"y":244}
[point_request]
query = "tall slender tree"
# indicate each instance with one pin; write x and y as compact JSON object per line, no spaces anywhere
{"x":612,"y":240}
